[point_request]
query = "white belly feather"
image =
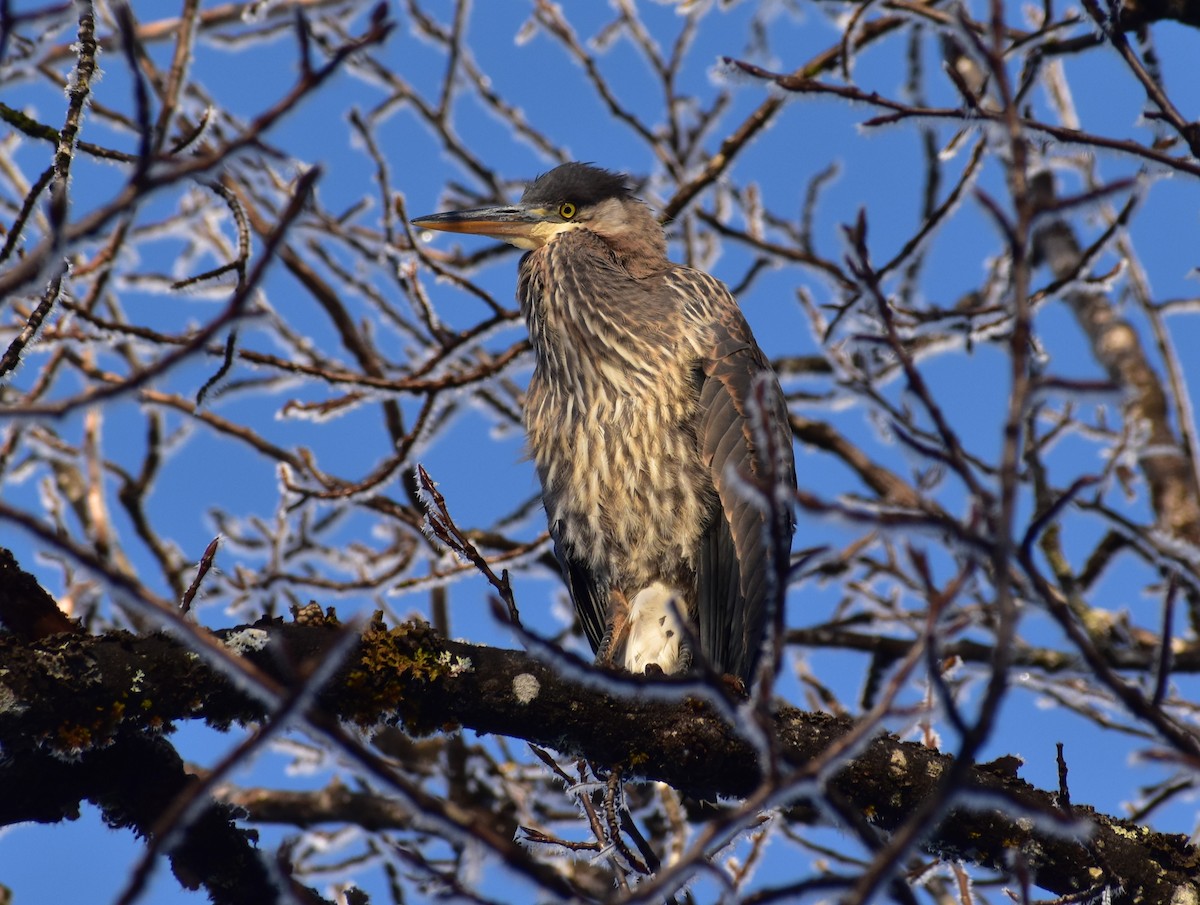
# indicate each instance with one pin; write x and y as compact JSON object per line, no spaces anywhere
{"x":655,"y":634}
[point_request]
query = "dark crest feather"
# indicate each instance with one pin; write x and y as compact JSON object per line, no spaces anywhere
{"x":579,"y":183}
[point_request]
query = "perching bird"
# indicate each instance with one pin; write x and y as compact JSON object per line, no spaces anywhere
{"x":638,"y":425}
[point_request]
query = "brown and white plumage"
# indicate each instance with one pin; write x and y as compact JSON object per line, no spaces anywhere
{"x":638,"y":423}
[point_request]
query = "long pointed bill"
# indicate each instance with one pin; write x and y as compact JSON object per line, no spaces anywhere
{"x":514,"y":223}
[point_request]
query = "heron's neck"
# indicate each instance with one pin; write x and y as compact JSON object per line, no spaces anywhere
{"x":632,"y":236}
{"x":594,"y":326}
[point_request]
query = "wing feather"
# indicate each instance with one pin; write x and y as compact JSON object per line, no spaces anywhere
{"x":589,"y":592}
{"x":732,"y":603}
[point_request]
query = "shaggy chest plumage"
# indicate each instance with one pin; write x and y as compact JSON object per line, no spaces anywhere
{"x":611,"y":417}
{"x":654,"y":420}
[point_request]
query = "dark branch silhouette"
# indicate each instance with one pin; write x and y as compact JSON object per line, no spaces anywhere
{"x":241,"y":393}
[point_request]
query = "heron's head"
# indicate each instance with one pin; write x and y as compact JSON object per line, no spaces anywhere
{"x":569,"y":197}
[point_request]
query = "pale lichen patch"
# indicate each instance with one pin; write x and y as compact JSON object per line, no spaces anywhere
{"x":526,"y":687}
{"x":456,"y":666}
{"x":247,"y":640}
{"x":10,"y":703}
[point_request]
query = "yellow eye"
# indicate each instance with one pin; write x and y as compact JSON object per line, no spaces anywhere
{"x":566,"y":210}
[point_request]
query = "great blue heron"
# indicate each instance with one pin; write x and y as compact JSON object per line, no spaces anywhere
{"x":638,"y":417}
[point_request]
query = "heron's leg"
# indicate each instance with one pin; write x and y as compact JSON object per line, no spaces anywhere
{"x":616,"y":630}
{"x":685,"y":618}
{"x":735,"y":684}
{"x":685,"y":657}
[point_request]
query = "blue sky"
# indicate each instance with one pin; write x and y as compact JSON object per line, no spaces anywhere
{"x":555,"y":96}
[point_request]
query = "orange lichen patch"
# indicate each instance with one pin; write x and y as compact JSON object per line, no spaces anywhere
{"x":393,"y":664}
{"x":72,"y":739}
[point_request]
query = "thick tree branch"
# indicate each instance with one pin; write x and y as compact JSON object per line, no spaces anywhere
{"x":1165,"y":463}
{"x":72,"y":694}
{"x":131,"y":779}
